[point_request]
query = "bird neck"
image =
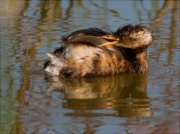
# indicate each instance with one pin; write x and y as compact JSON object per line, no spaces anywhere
{"x":133,"y":54}
{"x":137,"y":57}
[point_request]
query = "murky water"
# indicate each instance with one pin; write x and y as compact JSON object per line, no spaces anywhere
{"x":132,"y":103}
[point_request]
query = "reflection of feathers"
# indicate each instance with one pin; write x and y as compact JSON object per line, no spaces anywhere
{"x":124,"y":94}
{"x":94,"y":52}
{"x":115,"y":86}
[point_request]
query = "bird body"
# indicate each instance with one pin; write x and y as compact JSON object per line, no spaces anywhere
{"x":93,"y":52}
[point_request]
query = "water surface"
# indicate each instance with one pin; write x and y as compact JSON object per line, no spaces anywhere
{"x":131,"y":103}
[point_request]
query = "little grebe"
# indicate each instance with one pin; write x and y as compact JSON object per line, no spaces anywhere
{"x":94,"y":52}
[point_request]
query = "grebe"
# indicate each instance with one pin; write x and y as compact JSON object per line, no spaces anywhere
{"x":94,"y":52}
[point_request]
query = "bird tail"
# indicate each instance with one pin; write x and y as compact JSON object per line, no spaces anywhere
{"x":54,"y":66}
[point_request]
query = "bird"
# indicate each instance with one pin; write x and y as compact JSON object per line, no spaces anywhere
{"x":95,"y":52}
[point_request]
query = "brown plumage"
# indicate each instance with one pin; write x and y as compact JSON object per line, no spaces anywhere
{"x":94,"y":52}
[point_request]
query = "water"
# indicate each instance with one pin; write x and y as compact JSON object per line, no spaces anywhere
{"x":132,"y":103}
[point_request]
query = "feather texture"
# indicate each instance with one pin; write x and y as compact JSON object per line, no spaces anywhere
{"x":82,"y":53}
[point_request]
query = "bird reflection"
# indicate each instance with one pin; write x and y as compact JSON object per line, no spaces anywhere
{"x":126,"y":94}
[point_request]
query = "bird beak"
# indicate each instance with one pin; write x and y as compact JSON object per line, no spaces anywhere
{"x":112,"y":41}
